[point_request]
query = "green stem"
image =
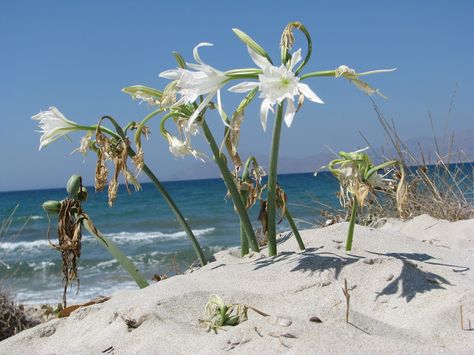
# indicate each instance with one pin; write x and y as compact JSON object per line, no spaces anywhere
{"x":143,"y":122}
{"x":272,"y":181}
{"x":350,"y":232}
{"x":244,"y":243}
{"x":234,"y":192}
{"x":294,"y":229}
{"x":303,"y":29}
{"x":117,"y":254}
{"x":318,"y":73}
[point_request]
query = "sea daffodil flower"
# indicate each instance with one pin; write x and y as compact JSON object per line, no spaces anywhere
{"x":201,"y":80}
{"x":277,"y":84}
{"x":53,"y":125}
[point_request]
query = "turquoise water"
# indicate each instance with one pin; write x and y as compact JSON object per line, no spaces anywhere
{"x":144,"y":228}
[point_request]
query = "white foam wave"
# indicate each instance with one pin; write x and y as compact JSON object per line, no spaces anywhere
{"x":12,"y":246}
{"x":120,"y":238}
{"x":106,"y":263}
{"x":40,"y":265}
{"x":52,"y":295}
{"x":124,"y":237}
{"x":34,"y":217}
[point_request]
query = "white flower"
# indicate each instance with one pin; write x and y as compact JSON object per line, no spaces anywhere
{"x":180,"y":148}
{"x":353,"y":77}
{"x":202,"y":80}
{"x":277,"y":84}
{"x":53,"y":125}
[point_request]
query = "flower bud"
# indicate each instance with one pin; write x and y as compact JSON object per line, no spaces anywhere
{"x":144,"y":93}
{"x":52,"y":206}
{"x":73,"y":185}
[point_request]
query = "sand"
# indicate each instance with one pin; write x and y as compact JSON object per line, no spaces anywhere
{"x":406,"y":280}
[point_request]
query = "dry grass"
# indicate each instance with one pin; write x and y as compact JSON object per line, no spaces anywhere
{"x":437,"y":183}
{"x":441,"y":187}
{"x":13,"y":318}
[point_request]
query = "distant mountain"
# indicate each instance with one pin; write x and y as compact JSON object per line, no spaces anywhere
{"x":460,"y":146}
{"x":462,"y":150}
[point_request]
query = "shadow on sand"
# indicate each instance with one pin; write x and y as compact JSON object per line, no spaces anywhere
{"x":412,"y":280}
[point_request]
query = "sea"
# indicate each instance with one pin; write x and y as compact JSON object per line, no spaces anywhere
{"x":142,"y":226}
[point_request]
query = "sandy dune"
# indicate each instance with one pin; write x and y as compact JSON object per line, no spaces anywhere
{"x":407,"y":281}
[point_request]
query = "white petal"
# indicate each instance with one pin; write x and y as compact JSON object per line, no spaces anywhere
{"x":295,"y":58}
{"x":376,"y":71}
{"x":172,"y":74}
{"x":261,"y":61}
{"x":266,"y":105}
{"x":201,"y":107}
{"x":196,"y":56}
{"x":290,"y":112}
{"x":246,"y":86}
{"x":308,"y":93}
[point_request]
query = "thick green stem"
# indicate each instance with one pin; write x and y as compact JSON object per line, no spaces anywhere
{"x":117,"y":254}
{"x":294,"y":229}
{"x":234,"y":192}
{"x":318,"y":73}
{"x":244,"y":242}
{"x":350,"y":232}
{"x":272,"y":181}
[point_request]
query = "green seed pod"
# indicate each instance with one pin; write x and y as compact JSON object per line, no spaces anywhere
{"x":82,"y":195}
{"x":73,"y":185}
{"x":52,"y":206}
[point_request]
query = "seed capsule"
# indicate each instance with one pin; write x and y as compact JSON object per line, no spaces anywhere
{"x":73,"y":185}
{"x":52,"y":206}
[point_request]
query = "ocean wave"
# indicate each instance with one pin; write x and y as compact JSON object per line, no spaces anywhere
{"x":33,"y":217}
{"x":106,"y":263}
{"x":53,"y":293}
{"x":126,"y":237}
{"x":13,"y":246}
{"x":41,"y":265}
{"x":119,"y":238}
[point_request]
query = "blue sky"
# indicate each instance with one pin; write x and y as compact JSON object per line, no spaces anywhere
{"x":78,"y":55}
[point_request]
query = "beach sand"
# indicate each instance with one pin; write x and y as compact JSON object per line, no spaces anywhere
{"x":406,"y":280}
